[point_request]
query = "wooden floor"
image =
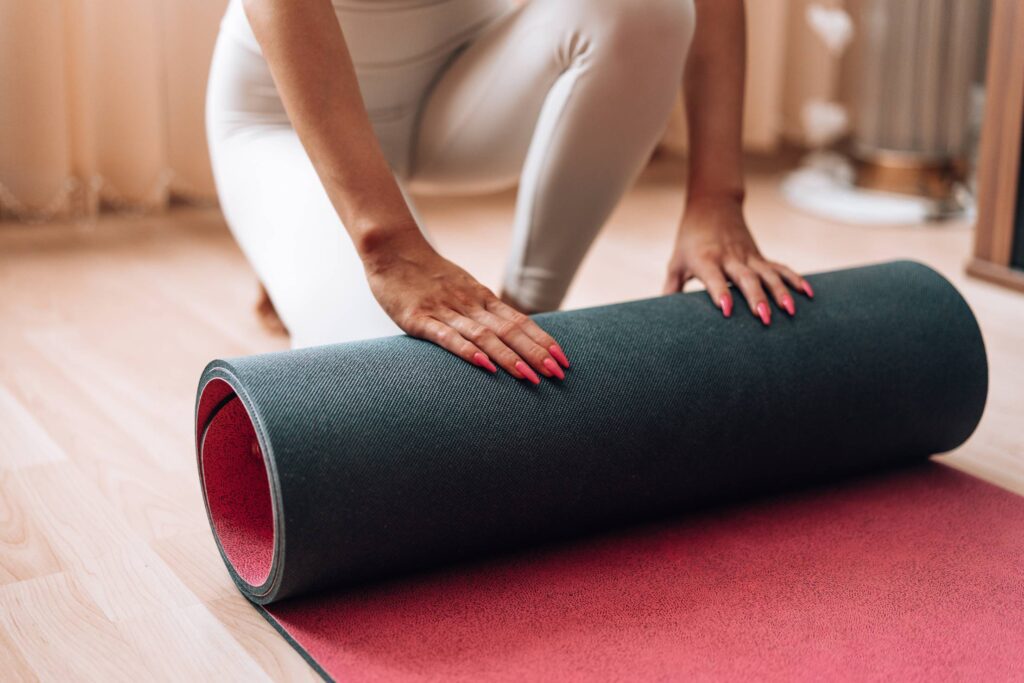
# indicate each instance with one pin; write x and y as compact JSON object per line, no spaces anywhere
{"x":107,"y":566}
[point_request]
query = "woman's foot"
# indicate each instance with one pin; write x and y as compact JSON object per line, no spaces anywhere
{"x":267,"y":314}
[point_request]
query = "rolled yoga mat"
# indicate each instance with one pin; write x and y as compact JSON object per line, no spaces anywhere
{"x":327,"y":470}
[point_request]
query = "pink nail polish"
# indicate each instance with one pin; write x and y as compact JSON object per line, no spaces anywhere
{"x":787,"y":303}
{"x":527,"y":372}
{"x":808,"y":291}
{"x":480,"y":360}
{"x":556,"y":351}
{"x":765,"y":313}
{"x":555,"y":369}
{"x":726,"y":304}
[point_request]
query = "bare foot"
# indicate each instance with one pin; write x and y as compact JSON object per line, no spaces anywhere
{"x":268,"y":314}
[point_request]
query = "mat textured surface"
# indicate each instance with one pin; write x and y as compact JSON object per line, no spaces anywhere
{"x":328,"y":470}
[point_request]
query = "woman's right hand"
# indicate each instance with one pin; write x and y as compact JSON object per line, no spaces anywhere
{"x":428,"y":296}
{"x":431,"y":298}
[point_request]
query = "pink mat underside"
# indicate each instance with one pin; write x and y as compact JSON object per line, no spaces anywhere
{"x":915,"y":575}
{"x":237,"y":486}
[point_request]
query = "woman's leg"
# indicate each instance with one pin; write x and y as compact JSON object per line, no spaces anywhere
{"x":569,"y":96}
{"x":278,"y":209}
{"x":269,"y":191}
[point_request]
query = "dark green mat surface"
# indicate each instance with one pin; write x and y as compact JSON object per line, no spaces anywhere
{"x":390,"y":455}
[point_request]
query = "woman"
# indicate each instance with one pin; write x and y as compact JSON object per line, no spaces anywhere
{"x":321,"y":113}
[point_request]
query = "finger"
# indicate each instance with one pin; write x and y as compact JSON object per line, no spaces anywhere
{"x":673,"y":282}
{"x":533,"y":331}
{"x":772,"y":280}
{"x":486,"y":339}
{"x":750,"y":284}
{"x":529,"y":325}
{"x":448,"y":338}
{"x":795,"y":280}
{"x":511,"y":330}
{"x":717,"y":285}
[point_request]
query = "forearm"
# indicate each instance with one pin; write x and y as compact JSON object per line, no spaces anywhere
{"x":314,"y":74}
{"x":713,"y":89}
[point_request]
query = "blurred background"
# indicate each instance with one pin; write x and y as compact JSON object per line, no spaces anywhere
{"x":874,"y":130}
{"x":102,"y":106}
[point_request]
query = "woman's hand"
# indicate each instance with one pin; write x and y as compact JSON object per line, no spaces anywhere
{"x":715,"y":246}
{"x":432,"y":298}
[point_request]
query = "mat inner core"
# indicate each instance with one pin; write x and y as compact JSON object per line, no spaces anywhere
{"x":238,"y":492}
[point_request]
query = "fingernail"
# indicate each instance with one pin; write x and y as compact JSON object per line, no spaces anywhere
{"x":765,"y":313}
{"x":808,"y":291}
{"x":484,"y":362}
{"x":787,"y":303}
{"x":726,"y":303}
{"x":527,"y":372}
{"x":556,"y":351}
{"x":551,"y":365}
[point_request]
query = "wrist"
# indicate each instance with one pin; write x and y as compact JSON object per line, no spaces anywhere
{"x":714,"y":213}
{"x":380,"y":240}
{"x":699,"y":196}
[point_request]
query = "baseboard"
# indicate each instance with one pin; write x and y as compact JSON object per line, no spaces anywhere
{"x":995,"y":273}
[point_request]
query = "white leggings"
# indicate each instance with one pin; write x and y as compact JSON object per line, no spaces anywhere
{"x":569,"y":97}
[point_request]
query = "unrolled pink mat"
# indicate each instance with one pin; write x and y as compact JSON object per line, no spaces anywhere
{"x":361,"y":495}
{"x":912,"y":575}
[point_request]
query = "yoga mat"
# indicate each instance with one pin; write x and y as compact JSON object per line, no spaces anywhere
{"x":327,"y":471}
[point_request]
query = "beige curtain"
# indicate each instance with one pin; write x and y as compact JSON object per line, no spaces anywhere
{"x":101,"y":104}
{"x":101,"y":101}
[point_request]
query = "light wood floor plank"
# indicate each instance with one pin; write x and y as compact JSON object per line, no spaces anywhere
{"x":197,"y":563}
{"x":263,"y":644}
{"x":14,"y":666}
{"x":25,"y":552}
{"x":23,"y":441}
{"x":63,"y":635}
{"x":190,"y":644}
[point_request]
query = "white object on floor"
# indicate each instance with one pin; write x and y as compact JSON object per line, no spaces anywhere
{"x":823,"y":186}
{"x":833,"y":25}
{"x":823,"y":122}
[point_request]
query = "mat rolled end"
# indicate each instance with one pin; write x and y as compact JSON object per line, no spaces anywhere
{"x":239,"y":484}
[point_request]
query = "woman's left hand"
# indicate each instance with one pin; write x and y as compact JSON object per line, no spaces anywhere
{"x":715,"y":246}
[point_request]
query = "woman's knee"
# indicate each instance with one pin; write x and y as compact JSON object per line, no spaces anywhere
{"x":627,"y":28}
{"x":636,"y":27}
{"x":643,"y":46}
